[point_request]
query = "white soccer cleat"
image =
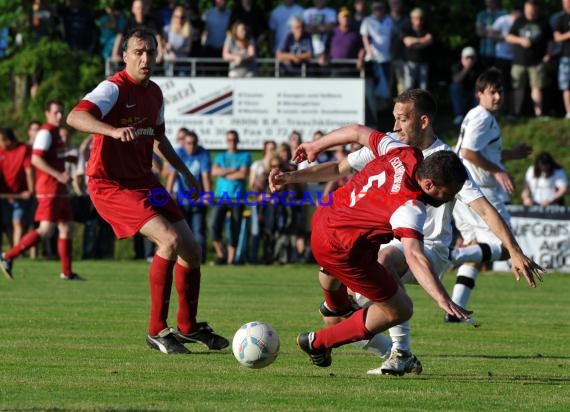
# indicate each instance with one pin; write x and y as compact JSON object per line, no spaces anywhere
{"x":399,"y":363}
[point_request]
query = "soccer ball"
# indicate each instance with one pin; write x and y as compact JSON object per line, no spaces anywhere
{"x":255,"y":345}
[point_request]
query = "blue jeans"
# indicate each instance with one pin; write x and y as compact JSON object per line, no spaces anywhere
{"x":196,"y":218}
{"x":461,"y":100}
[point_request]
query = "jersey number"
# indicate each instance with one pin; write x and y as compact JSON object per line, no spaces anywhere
{"x":356,"y":196}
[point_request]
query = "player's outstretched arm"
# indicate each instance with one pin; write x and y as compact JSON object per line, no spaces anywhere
{"x":354,"y":133}
{"x":420,"y":266}
{"x":324,"y":172}
{"x":521,"y":264}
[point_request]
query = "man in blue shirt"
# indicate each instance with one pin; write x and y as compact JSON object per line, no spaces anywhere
{"x":232,"y":169}
{"x":197,"y":159}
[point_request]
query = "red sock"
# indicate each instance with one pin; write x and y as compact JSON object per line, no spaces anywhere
{"x":64,"y":249}
{"x":337,"y":300}
{"x":160,"y":279}
{"x":187,"y":283}
{"x":349,"y":330}
{"x":28,"y":240}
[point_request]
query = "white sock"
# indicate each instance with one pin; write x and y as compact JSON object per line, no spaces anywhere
{"x":474,"y":253}
{"x":465,"y":282}
{"x":400,"y":335}
{"x":379,"y":345}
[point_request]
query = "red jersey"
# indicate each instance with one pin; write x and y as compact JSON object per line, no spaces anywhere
{"x":48,"y":144}
{"x":13,"y":163}
{"x":380,"y":202}
{"x":121,"y":102}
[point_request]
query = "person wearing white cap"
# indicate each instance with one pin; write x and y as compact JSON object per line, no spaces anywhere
{"x":462,"y":88}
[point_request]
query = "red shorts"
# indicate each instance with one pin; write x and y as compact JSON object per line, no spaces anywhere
{"x":54,"y":209}
{"x":128,"y":209}
{"x":355,"y":265}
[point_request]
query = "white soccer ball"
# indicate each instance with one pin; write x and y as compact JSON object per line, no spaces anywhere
{"x":255,"y":345}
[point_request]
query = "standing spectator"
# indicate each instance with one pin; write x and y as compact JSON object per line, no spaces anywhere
{"x":359,"y":7}
{"x":258,"y":175}
{"x":530,"y":36}
{"x":279,"y":21}
{"x":397,"y":47}
{"x":42,"y":21}
{"x":562,"y":36}
{"x":216,"y":23}
{"x":79,"y":29}
{"x":296,"y":48}
{"x":462,"y":87}
{"x":178,"y":37}
{"x":484,"y":28}
{"x":545,"y":182}
{"x":254,"y":19}
{"x":319,"y":22}
{"x":239,"y":50}
{"x":418,"y":41}
{"x":197,"y":160}
{"x":140,"y":18}
{"x":110,"y":25}
{"x":481,"y":148}
{"x":16,"y":185}
{"x":122,"y":187}
{"x":504,"y":52}
{"x":377,"y":32}
{"x":54,"y":207}
{"x":344,"y":43}
{"x":232,"y":170}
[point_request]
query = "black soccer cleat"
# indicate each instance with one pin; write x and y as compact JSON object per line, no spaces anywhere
{"x":6,"y":267}
{"x":451,"y":319}
{"x":166,"y":342}
{"x":73,"y":276}
{"x":319,"y":357}
{"x":204,"y":335}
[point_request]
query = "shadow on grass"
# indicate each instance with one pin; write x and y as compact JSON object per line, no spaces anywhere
{"x":535,"y":356}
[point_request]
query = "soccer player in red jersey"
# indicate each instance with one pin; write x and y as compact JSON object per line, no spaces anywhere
{"x":54,"y":206}
{"x":125,"y":113}
{"x":16,"y":183}
{"x":386,"y":199}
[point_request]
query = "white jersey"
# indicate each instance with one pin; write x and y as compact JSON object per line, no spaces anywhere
{"x":437,"y":227}
{"x":542,"y":188}
{"x":480,"y":133}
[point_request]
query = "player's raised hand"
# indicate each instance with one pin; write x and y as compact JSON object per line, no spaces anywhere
{"x":521,"y":264}
{"x":305,"y":151}
{"x":125,"y":134}
{"x":276,"y":179}
{"x":521,"y":151}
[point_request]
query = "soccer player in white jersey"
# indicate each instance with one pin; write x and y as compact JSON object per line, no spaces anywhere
{"x":481,"y":147}
{"x":414,"y":112}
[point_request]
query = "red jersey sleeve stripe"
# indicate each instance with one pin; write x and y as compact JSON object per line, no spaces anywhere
{"x":87,"y":106}
{"x":374,"y":140}
{"x":409,"y":233}
{"x":39,"y":152}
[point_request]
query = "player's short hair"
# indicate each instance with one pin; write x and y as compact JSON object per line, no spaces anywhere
{"x":192,"y":134}
{"x":423,"y":101}
{"x":492,"y":77}
{"x":140,"y":33}
{"x":8,"y":133}
{"x":235,"y":133}
{"x":444,"y":168}
{"x":34,"y":122}
{"x":49,"y":103}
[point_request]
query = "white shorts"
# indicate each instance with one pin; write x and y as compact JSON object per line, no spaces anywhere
{"x":470,"y":224}
{"x":437,"y":254}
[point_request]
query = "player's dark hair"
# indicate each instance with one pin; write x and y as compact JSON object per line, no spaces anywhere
{"x":423,"y":101}
{"x":546,"y":160}
{"x":49,"y":103}
{"x":8,"y":133}
{"x":492,"y":77}
{"x":192,"y":134}
{"x":444,"y":168}
{"x":140,"y":33}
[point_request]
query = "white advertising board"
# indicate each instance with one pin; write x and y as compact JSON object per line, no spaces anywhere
{"x":259,"y":108}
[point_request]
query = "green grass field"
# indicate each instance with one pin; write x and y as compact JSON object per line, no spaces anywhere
{"x":80,"y":346}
